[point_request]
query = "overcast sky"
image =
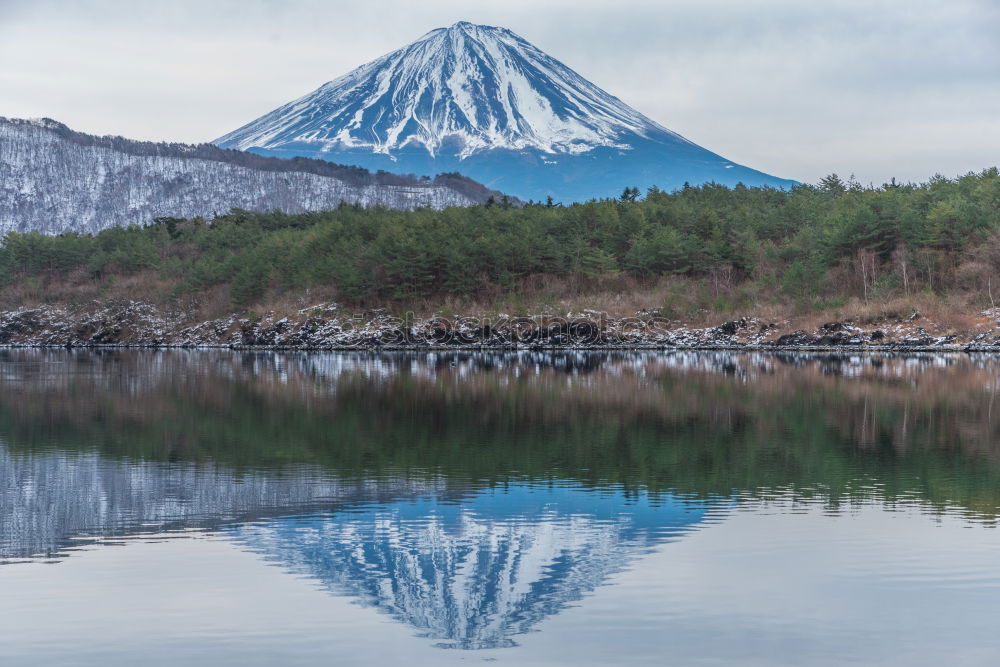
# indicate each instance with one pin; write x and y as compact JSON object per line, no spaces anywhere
{"x":796,"y":88}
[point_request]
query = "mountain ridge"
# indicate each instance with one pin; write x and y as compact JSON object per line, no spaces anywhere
{"x":54,"y":180}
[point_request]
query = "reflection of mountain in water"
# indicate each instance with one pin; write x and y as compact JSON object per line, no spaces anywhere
{"x":373,"y":473}
{"x":51,"y":499}
{"x":473,"y":572}
{"x":469,"y":567}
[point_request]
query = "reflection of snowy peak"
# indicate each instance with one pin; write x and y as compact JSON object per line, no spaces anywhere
{"x":483,"y":101}
{"x":475,"y":571}
{"x":469,"y":568}
{"x":477,"y":87}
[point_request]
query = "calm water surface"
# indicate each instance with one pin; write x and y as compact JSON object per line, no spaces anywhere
{"x":218,"y":508}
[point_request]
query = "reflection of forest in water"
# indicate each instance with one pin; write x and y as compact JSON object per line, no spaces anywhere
{"x":472,"y":495}
{"x":837,"y":427}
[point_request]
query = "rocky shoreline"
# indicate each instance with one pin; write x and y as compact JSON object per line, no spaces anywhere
{"x":327,"y":327}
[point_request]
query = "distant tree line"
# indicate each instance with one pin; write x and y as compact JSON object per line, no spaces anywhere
{"x":836,"y":237}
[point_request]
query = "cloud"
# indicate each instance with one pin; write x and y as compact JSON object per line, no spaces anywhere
{"x":874,"y":87}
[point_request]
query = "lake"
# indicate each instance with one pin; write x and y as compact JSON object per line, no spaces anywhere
{"x":236,"y":508}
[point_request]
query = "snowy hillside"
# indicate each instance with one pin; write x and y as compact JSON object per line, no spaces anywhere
{"x":483,"y":101}
{"x":54,"y":180}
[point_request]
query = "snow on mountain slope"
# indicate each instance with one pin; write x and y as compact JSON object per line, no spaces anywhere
{"x":478,"y":86}
{"x":53,"y":180}
{"x":483,"y":101}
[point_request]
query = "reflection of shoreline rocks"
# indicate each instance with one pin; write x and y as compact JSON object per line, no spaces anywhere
{"x":699,"y":423}
{"x":132,"y":324}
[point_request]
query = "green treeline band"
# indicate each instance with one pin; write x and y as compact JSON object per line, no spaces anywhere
{"x":833,"y":238}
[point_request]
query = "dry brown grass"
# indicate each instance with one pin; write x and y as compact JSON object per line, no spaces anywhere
{"x":674,"y":297}
{"x":80,"y":290}
{"x":956,"y":314}
{"x":698,"y":302}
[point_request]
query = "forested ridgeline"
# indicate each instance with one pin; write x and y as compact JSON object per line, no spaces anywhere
{"x":350,"y":174}
{"x":733,"y":248}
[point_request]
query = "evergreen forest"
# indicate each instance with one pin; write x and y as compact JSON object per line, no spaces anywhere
{"x":715,"y":247}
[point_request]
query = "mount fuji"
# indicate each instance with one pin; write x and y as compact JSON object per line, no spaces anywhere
{"x":483,"y":101}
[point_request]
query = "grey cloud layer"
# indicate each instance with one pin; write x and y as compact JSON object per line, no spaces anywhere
{"x":799,"y":89}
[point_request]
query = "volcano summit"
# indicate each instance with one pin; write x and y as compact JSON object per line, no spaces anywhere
{"x":483,"y":101}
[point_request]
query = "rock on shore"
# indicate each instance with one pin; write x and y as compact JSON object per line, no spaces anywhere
{"x":326,"y":326}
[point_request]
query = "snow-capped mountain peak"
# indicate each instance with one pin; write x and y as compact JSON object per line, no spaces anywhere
{"x":463,"y":89}
{"x":482,"y":101}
